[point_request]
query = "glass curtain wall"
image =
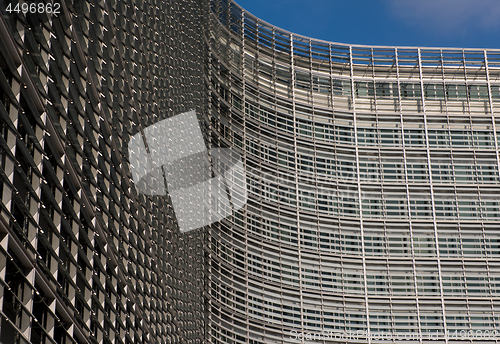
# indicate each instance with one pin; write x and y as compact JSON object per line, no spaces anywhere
{"x":373,"y":180}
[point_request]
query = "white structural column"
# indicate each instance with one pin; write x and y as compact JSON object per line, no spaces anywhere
{"x":436,"y":239}
{"x":297,"y":200}
{"x":490,"y":99}
{"x":408,"y":204}
{"x":359,"y":197}
{"x":244,"y":155}
{"x":330,"y":57}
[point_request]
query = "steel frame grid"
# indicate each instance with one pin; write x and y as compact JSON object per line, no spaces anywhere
{"x":410,"y":122}
{"x":352,"y":107}
{"x":85,"y":258}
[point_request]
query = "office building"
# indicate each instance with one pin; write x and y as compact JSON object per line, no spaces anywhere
{"x":85,"y":257}
{"x":372,"y":179}
{"x":390,"y":156}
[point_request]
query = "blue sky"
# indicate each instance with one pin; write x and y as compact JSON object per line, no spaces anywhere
{"x":446,"y":23}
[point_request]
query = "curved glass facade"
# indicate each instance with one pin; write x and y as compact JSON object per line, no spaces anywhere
{"x":373,"y":180}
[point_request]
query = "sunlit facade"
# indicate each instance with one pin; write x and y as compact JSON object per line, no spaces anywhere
{"x":373,"y":188}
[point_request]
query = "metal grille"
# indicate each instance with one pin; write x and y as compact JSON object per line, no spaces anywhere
{"x":84,"y":257}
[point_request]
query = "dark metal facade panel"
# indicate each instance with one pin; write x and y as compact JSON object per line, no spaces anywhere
{"x":372,"y":174}
{"x":84,"y":257}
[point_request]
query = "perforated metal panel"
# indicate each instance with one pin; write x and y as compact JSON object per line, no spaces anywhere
{"x":86,"y":258}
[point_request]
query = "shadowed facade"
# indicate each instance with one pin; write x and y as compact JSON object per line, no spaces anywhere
{"x":372,"y":180}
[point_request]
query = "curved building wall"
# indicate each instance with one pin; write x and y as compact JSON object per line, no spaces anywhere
{"x":84,"y":257}
{"x":373,"y":180}
{"x":372,"y":177}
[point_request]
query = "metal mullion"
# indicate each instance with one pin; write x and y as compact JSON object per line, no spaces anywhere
{"x":311,"y":83}
{"x":474,"y":154}
{"x":452,"y":156}
{"x":378,"y":145}
{"x":466,"y":85}
{"x":331,"y":75}
{"x":498,"y":161}
{"x":360,"y":205}
{"x":313,"y":128}
{"x":466,"y":294}
{"x":277,"y":189}
{"x":408,"y":204}
{"x":383,"y":208}
{"x":244,"y":154}
{"x":273,"y":66}
{"x":373,"y":80}
{"x":472,"y":140}
{"x":491,"y":109}
{"x":292,"y":70}
{"x":489,"y":286}
{"x":451,"y":153}
{"x":452,"y":164}
{"x":436,"y":239}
